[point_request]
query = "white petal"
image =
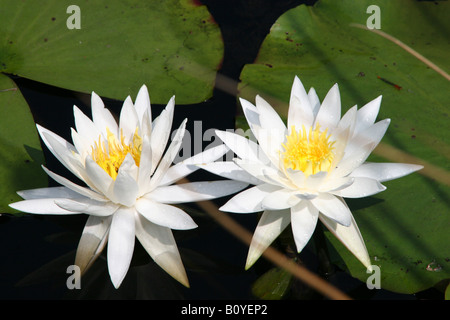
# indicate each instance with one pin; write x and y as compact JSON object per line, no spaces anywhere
{"x":161,"y":132}
{"x":40,"y":206}
{"x":280,"y":199}
{"x":367,"y":115}
{"x":88,"y":206}
{"x":188,"y":166}
{"x":271,"y":224}
{"x":370,"y":136}
{"x":229,"y":170}
{"x":361,"y":187}
{"x":168,"y":157}
{"x":269,"y":138}
{"x":350,"y":163}
{"x":82,"y":145}
{"x":269,"y":118}
{"x":125,"y":186}
{"x":145,"y":165}
{"x":314,"y":101}
{"x":333,"y":207}
{"x":264,"y":173}
{"x":243,"y":147}
{"x":164,"y":215}
{"x":142,"y":103}
{"x":195,"y":191}
{"x":300,"y":107}
{"x":74,"y":187}
{"x":249,"y":200}
{"x":160,"y":244}
{"x":121,"y":244}
{"x":98,"y":177}
{"x":52,"y":192}
{"x":348,"y":120}
{"x":128,"y":120}
{"x":349,"y":236}
{"x":303,"y":222}
{"x":330,"y":111}
{"x":92,"y":241}
{"x":314,"y":181}
{"x":102,"y":117}
{"x":84,"y":126}
{"x":62,"y":150}
{"x":385,"y":171}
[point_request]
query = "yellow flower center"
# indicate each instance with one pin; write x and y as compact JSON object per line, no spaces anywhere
{"x":110,"y":156}
{"x":310,"y":152}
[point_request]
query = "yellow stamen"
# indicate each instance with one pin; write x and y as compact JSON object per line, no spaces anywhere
{"x":110,"y":156}
{"x":310,"y":152}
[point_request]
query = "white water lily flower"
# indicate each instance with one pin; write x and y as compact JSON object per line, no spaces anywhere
{"x":303,"y":171}
{"x":130,"y":185}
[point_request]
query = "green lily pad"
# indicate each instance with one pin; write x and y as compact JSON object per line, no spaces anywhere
{"x":20,"y":150}
{"x":405,"y":227}
{"x":272,"y":285}
{"x":172,"y":46}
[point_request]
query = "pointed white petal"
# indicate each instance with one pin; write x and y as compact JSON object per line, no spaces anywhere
{"x":84,"y":126}
{"x":330,"y":185}
{"x":349,"y":236}
{"x":168,"y":157}
{"x":271,"y":224}
{"x":303,"y":223}
{"x":361,"y":187}
{"x":314,"y":181}
{"x":350,"y":163}
{"x":269,"y":138}
{"x":367,"y":115}
{"x":370,"y":136}
{"x":188,"y":166}
{"x":333,"y":207}
{"x":348,"y":120}
{"x":62,"y":150}
{"x":145,"y":165}
{"x":385,"y":171}
{"x":142,"y":103}
{"x":99,"y":179}
{"x":74,"y":187}
{"x":314,"y":101}
{"x":280,"y":199}
{"x":249,"y":200}
{"x":128,"y":120}
{"x":164,"y":215}
{"x":52,"y":192}
{"x":102,"y":117}
{"x":81,"y":144}
{"x":161,"y":132}
{"x":195,"y":191}
{"x":300,"y":108}
{"x":230,"y":170}
{"x":269,"y":118}
{"x":88,"y":206}
{"x":244,"y":148}
{"x":330,"y":111}
{"x":125,"y":186}
{"x":160,"y":244}
{"x":264,"y":173}
{"x":92,"y":241}
{"x":40,"y":206}
{"x":121,"y":244}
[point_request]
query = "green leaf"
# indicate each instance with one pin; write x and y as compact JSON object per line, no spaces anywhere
{"x":172,"y":46}
{"x":272,"y":285}
{"x":405,"y":227}
{"x":20,"y":151}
